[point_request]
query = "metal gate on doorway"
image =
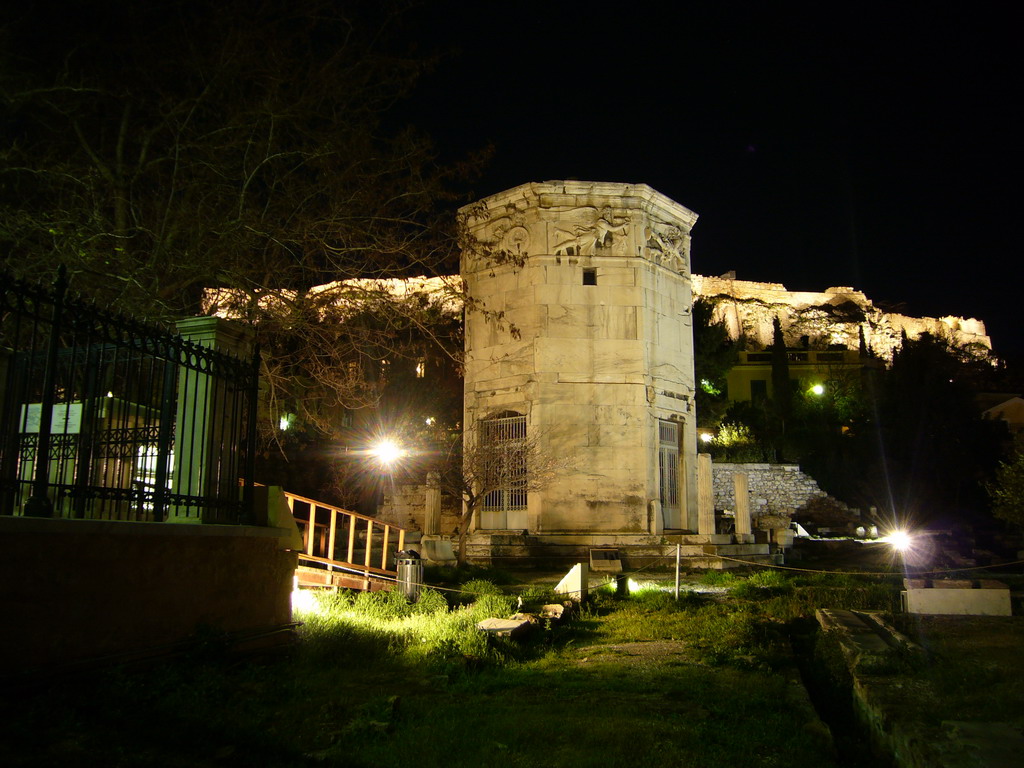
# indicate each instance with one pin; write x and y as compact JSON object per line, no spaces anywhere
{"x":106,"y":417}
{"x":503,"y":442}
{"x":668,"y":473}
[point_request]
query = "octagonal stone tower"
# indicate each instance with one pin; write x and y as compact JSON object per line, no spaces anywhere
{"x":579,"y":341}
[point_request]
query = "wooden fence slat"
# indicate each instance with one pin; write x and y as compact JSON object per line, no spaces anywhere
{"x":351,"y":539}
{"x":311,"y":539}
{"x":369,"y":542}
{"x":384,"y":547}
{"x":334,"y":529}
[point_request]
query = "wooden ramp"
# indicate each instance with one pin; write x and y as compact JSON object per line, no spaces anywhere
{"x":320,"y":573}
{"x":342,"y":548}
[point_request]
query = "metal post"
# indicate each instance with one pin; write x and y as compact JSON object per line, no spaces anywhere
{"x":39,"y":504}
{"x":249,"y":468}
{"x":165,"y":431}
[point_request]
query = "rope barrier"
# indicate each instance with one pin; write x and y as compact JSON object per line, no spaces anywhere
{"x":666,"y":560}
{"x":867,"y":573}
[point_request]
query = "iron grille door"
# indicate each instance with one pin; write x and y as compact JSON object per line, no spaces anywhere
{"x":503,"y":451}
{"x":668,"y":472}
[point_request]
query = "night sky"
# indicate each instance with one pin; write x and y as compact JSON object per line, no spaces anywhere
{"x":875,"y":146}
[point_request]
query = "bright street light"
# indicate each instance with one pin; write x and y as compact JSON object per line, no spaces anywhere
{"x":900,"y":540}
{"x":387,"y":452}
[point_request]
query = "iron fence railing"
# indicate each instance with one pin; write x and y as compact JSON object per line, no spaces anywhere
{"x":106,"y":417}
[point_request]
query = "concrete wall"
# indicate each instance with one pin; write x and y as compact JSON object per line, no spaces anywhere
{"x":77,"y":589}
{"x":772,"y":486}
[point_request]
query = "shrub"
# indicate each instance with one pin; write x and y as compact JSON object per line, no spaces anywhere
{"x":477,"y":587}
{"x":430,"y":601}
{"x":492,"y":606}
{"x":538,"y":595}
{"x":769,"y":577}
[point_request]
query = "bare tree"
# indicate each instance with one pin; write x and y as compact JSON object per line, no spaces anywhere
{"x":162,"y":147}
{"x":484,"y":470}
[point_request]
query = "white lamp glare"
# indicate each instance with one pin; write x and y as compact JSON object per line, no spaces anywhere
{"x":900,"y":540}
{"x":387,"y":452}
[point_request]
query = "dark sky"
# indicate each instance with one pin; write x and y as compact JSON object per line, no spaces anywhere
{"x":876,"y":146}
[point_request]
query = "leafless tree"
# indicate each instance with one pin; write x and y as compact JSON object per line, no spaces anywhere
{"x":162,"y":147}
{"x":483,"y":470}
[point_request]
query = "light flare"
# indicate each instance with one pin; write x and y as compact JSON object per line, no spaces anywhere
{"x":387,"y":452}
{"x":901,"y":541}
{"x":303,"y":600}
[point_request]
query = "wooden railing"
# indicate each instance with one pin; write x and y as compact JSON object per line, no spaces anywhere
{"x":333,"y":536}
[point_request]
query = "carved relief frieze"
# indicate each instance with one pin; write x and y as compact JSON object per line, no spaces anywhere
{"x":668,"y":245}
{"x":588,"y":231}
{"x":508,"y":237}
{"x":517,"y":240}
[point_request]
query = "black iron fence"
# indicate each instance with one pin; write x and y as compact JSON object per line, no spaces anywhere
{"x":105,"y":417}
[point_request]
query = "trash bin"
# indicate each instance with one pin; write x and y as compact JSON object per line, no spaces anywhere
{"x":410,"y":573}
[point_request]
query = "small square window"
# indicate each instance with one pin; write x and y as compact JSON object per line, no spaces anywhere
{"x":590,"y":276}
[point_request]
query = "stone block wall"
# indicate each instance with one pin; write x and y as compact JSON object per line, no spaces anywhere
{"x":405,"y":505}
{"x":773,"y":487}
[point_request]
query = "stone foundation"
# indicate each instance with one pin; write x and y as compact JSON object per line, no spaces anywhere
{"x":516,"y":548}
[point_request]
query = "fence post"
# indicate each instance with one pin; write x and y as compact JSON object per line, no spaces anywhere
{"x":39,"y":504}
{"x":249,"y":469}
{"x":205,"y":464}
{"x":164,"y":439}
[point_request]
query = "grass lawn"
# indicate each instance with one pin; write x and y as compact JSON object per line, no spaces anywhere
{"x":373,"y":681}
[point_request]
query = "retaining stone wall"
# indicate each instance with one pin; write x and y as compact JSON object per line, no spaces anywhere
{"x":773,"y":487}
{"x":405,"y":505}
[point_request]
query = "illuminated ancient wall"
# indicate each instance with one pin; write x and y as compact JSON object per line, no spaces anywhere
{"x":832,"y":317}
{"x":587,"y":333}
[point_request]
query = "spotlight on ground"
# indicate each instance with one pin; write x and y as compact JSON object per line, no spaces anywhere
{"x":303,"y":600}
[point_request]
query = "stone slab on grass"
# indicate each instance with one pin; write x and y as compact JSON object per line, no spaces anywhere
{"x":504,"y":627}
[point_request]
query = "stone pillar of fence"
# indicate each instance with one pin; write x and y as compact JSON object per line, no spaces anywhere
{"x":657,"y":519}
{"x":436,"y":549}
{"x":432,"y":506}
{"x":203,"y":422}
{"x":741,"y":494}
{"x":705,"y":496}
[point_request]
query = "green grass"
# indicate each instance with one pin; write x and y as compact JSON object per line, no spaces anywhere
{"x":376,"y":681}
